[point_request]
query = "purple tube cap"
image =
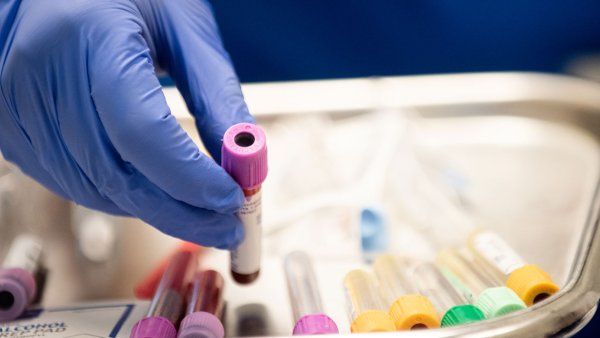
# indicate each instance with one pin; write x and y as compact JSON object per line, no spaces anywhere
{"x":244,"y":154}
{"x":315,"y":324}
{"x":201,"y":325}
{"x":17,"y":290}
{"x":153,"y":327}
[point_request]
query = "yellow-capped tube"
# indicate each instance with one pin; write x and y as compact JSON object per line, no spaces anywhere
{"x":366,"y":309}
{"x":528,"y":281}
{"x":417,"y":194}
{"x":488,"y":294}
{"x":407,"y":308}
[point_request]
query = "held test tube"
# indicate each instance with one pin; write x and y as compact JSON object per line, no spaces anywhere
{"x":451,"y":303}
{"x":408,"y":309}
{"x":487,"y":295}
{"x":244,"y":157}
{"x":205,"y":307}
{"x":529,"y":282}
{"x":168,"y":301}
{"x":17,"y":276}
{"x":305,"y":297}
{"x":366,"y":309}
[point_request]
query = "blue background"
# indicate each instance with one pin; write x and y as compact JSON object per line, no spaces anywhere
{"x":315,"y":39}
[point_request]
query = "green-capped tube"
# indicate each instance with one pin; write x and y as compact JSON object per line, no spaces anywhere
{"x":491,"y":298}
{"x":453,"y":306}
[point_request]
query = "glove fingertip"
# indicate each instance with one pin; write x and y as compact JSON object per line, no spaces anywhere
{"x":232,"y":202}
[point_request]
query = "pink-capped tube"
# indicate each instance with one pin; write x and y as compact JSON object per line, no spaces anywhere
{"x":18,"y":286}
{"x":305,"y":298}
{"x":167,"y":304}
{"x":205,"y":307}
{"x":244,"y":157}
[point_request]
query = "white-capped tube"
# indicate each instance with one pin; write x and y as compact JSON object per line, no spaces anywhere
{"x":25,"y":253}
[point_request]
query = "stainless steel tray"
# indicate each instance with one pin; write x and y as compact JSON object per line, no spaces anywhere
{"x":528,"y":144}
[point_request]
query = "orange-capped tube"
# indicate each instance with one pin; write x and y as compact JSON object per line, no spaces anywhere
{"x":366,"y":309}
{"x":529,"y":282}
{"x":407,"y":308}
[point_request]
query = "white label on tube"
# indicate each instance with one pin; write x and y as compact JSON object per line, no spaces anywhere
{"x":497,"y":252}
{"x":24,"y":253}
{"x":246,"y":258}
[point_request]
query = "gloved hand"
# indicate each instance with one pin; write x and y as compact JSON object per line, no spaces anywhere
{"x":82,"y":111}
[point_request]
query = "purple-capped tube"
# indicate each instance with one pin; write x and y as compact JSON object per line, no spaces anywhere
{"x":167,"y":304}
{"x":17,"y":276}
{"x":244,"y":157}
{"x":205,"y":307}
{"x":307,"y":307}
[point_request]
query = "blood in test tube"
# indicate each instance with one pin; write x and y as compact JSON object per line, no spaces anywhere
{"x":244,"y":157}
{"x":528,"y":281}
{"x":167,"y":305}
{"x":18,"y":274}
{"x":307,"y":307}
{"x":205,"y":307}
{"x":146,"y":287}
{"x":488,"y":294}
{"x":453,"y":305}
{"x":408,"y":308}
{"x":365,"y":306}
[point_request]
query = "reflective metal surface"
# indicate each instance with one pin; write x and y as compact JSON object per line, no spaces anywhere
{"x":527,"y":145}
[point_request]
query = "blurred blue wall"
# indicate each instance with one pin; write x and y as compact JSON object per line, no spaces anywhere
{"x":312,"y":39}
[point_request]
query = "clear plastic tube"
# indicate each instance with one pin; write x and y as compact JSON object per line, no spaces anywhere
{"x":362,"y":293}
{"x":167,"y":304}
{"x":433,"y":285}
{"x":305,"y":298}
{"x":18,"y":276}
{"x":529,"y":281}
{"x":206,"y":293}
{"x":391,"y":272}
{"x":302,"y":285}
{"x":168,"y":298}
{"x":205,"y":307}
{"x":419,"y":194}
{"x":492,"y":298}
{"x":473,"y":278}
{"x":366,"y":309}
{"x":453,"y":305}
{"x":25,"y":253}
{"x":408,"y":308}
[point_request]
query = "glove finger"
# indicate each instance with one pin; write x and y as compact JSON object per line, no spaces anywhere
{"x":142,"y":198}
{"x":137,"y":121}
{"x":190,"y":49}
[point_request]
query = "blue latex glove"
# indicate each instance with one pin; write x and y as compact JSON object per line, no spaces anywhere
{"x":82,"y":111}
